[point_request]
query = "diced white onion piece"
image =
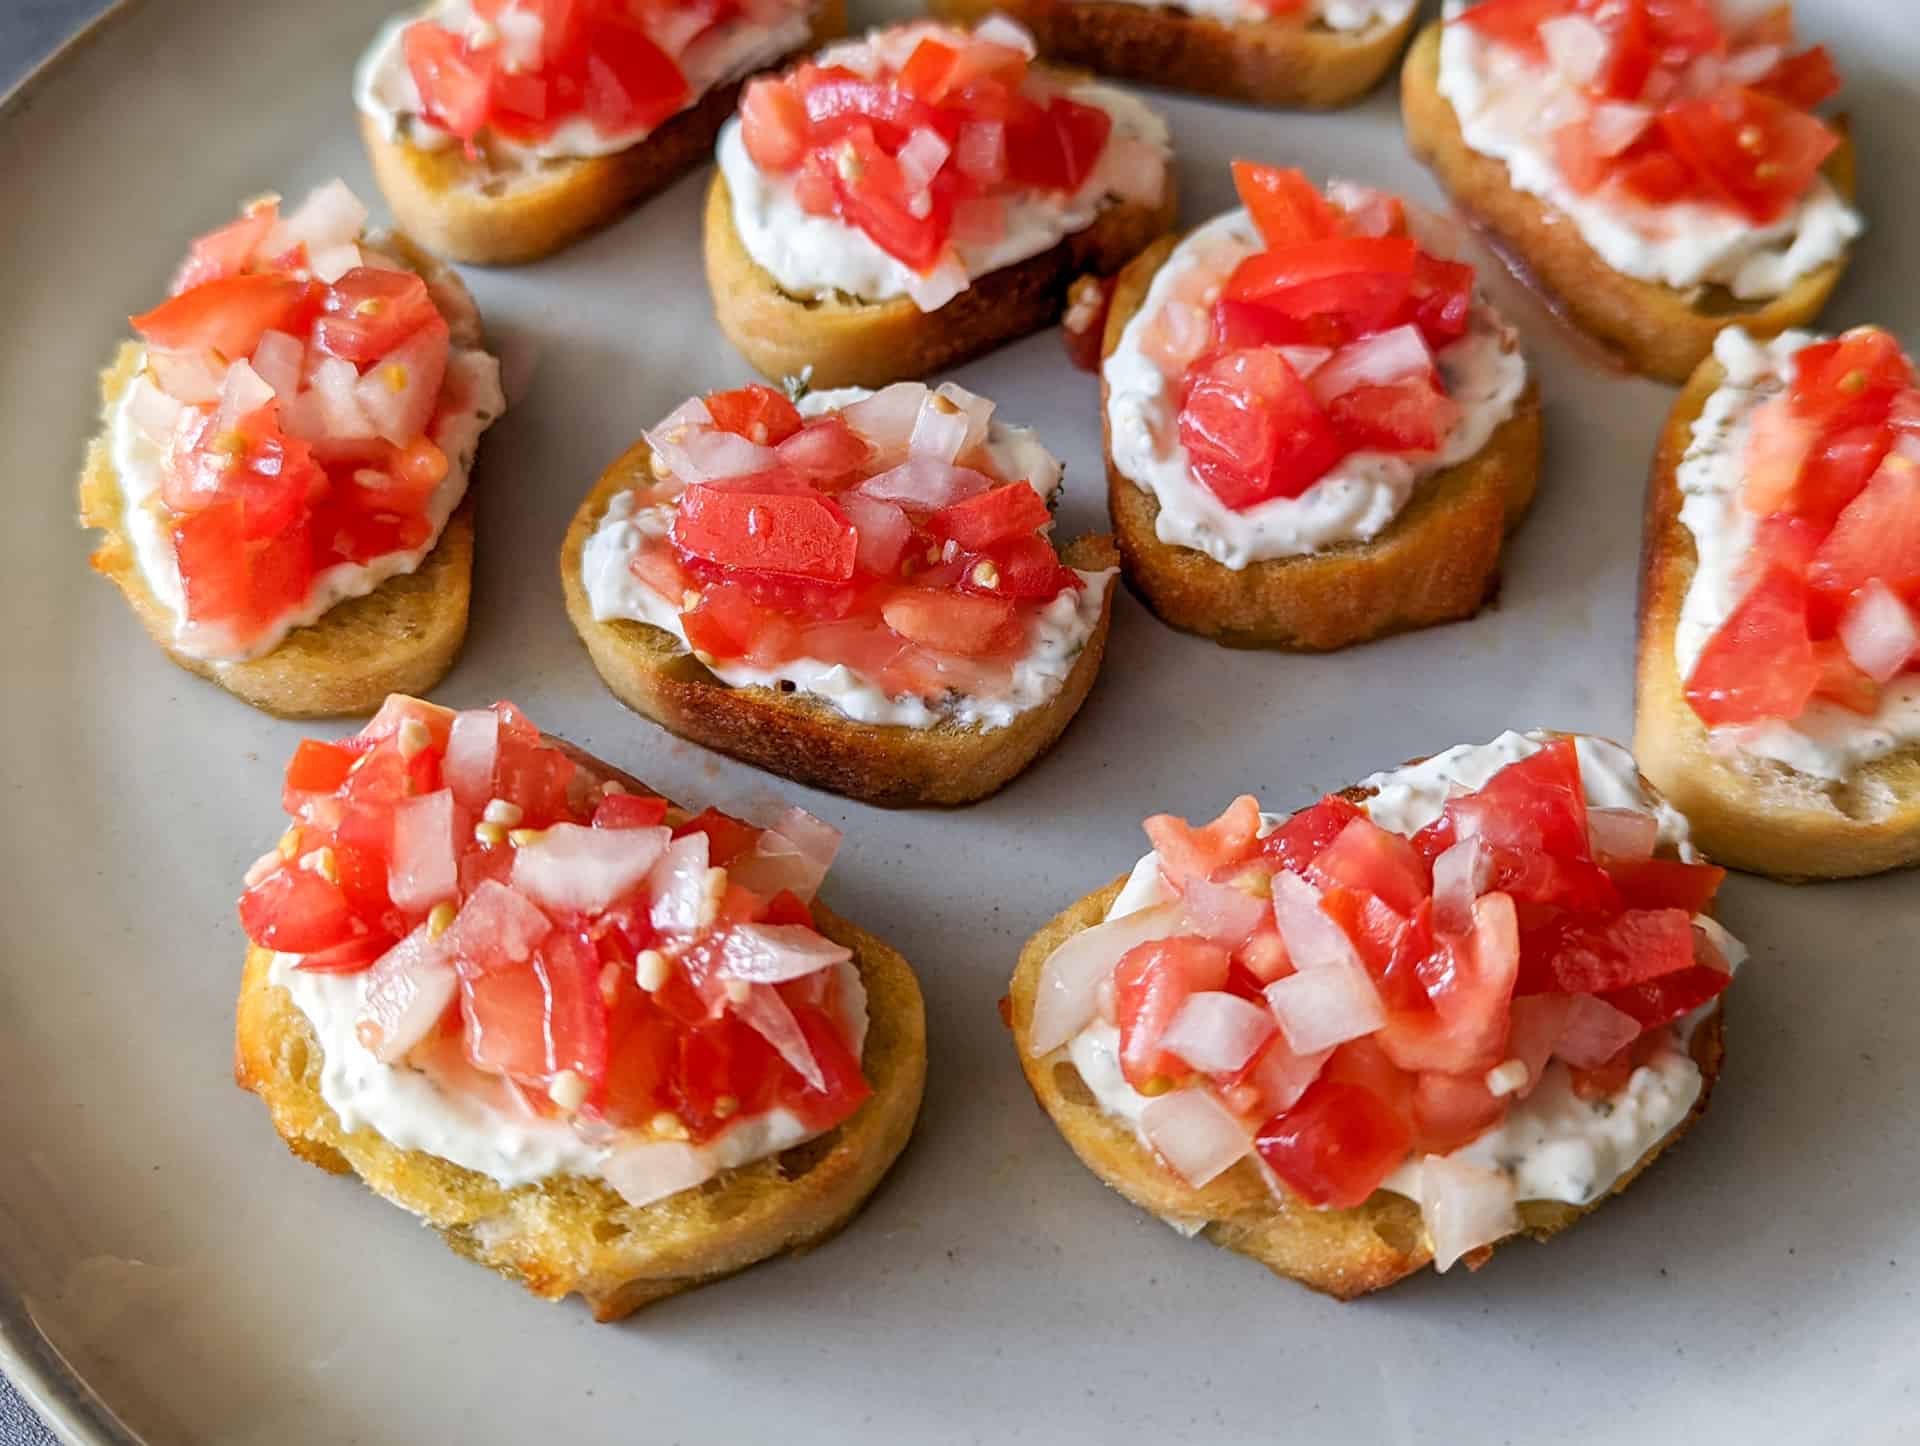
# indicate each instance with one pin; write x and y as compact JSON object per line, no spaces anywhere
{"x":1376,"y":361}
{"x":473,"y":743}
{"x":522,"y":33}
{"x":1616,"y":126}
{"x":1194,"y":1133}
{"x":775,"y":953}
{"x":575,"y":868}
{"x":1594,"y":1032}
{"x":1622,"y":833}
{"x":278,"y":360}
{"x":1465,"y":1206}
{"x":1000,"y":29}
{"x":1314,"y":941}
{"x":399,"y":392}
{"x":886,"y":418}
{"x":883,"y":531}
{"x":712,"y":454}
{"x":1704,"y":76}
{"x":1306,"y":360}
{"x":331,"y":216}
{"x":1879,"y":632}
{"x":1576,"y":47}
{"x":241,"y":394}
{"x":152,"y":410}
{"x":666,"y":439}
{"x":924,"y":483}
{"x":817,"y":841}
{"x":1756,"y":62}
{"x":1320,"y":1008}
{"x":1134,"y":169}
{"x":1221,"y":912}
{"x":921,"y":158}
{"x":1731,"y":951}
{"x":679,"y":884}
{"x":933,"y":289}
{"x":1217,"y":1032}
{"x":977,"y":409}
{"x":1460,"y":876}
{"x":330,"y":263}
{"x":185,"y":376}
{"x":767,"y":1014}
{"x":980,"y":153}
{"x":1538,"y":1021}
{"x":648,"y":1170}
{"x":407,"y":990}
{"x":425,"y":864}
{"x":1282,"y":1074}
{"x":336,"y":383}
{"x":1370,"y":212}
{"x":1067,"y":996}
{"x":495,"y":923}
{"x":939,"y":431}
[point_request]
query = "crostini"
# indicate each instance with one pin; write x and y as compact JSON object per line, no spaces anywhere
{"x":1467,"y":999}
{"x":906,"y":201}
{"x":1778,"y":703}
{"x":1316,"y":434}
{"x":1315,"y":54}
{"x":600,"y":1044}
{"x":282,"y":474}
{"x":502,"y":130}
{"x":1657,"y":170}
{"x":858,"y":592}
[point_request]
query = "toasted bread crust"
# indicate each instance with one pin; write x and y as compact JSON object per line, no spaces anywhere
{"x":570,"y":1234}
{"x":803,"y":738}
{"x":1342,"y":1253}
{"x":1748,"y":813}
{"x":400,"y":638}
{"x":489,"y":213}
{"x":852,"y":343}
{"x":1438,"y":561}
{"x":1653,"y":328}
{"x":1264,"y":62}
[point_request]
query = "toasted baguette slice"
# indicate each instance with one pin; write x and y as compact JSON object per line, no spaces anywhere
{"x":491,"y":211}
{"x":400,"y":638}
{"x":1748,"y":813}
{"x":1653,"y":328}
{"x":568,"y":1233}
{"x":1264,"y":62}
{"x":800,"y":737}
{"x":1342,"y":1253}
{"x":852,"y":343}
{"x":1438,"y":561}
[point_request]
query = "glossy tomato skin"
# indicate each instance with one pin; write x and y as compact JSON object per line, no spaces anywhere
{"x":1252,"y":429}
{"x":1761,"y":178}
{"x":1287,"y":208}
{"x":1760,"y":662}
{"x":756,"y":412}
{"x":1298,"y":841}
{"x":1150,"y":983}
{"x":1336,"y":1145}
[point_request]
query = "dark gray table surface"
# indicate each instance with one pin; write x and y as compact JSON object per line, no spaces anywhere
{"x":29,"y":31}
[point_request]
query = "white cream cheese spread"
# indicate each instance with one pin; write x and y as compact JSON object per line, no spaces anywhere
{"x":1060,"y":631}
{"x":1826,"y":741}
{"x":138,"y":461}
{"x":384,"y":88}
{"x":1553,"y":1144}
{"x":1484,"y":373}
{"x":1507,"y":105}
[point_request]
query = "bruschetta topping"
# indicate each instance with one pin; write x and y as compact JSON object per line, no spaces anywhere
{"x":1664,"y":119}
{"x":1345,"y":16}
{"x":560,"y":951}
{"x":1301,"y":344}
{"x":1337,"y":994}
{"x":566,"y":77}
{"x":302,"y":425}
{"x":1827,"y":611}
{"x":897,"y":535}
{"x":947,"y":152}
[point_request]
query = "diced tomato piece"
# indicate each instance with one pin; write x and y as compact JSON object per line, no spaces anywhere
{"x":225,"y":252}
{"x":1150,"y":983}
{"x":1536,"y":803}
{"x":574,"y":1012}
{"x":642,"y":1051}
{"x":1657,"y":883}
{"x":1471,"y":982}
{"x":825,"y":449}
{"x":1452,"y":1110}
{"x":1336,"y":1146}
{"x":840,"y":104}
{"x":1252,"y":429}
{"x":792,"y":534}
{"x":631,"y":83}
{"x":1653,"y":174}
{"x":1841,"y":679}
{"x":991,"y":517}
{"x":1410,"y":415}
{"x":1516,"y":23}
{"x":773,"y":124}
{"x":316,"y":769}
{"x":630,"y":810}
{"x":1298,"y":841}
{"x":1593,"y":955}
{"x":231,"y":577}
{"x":370,"y":311}
{"x":727,"y":837}
{"x":756,"y":412}
{"x":454,"y":81}
{"x":1760,"y":663}
{"x":294,"y":910}
{"x":951,"y":622}
{"x":872,"y":195}
{"x":846,"y":1088}
{"x":1327,"y":293}
{"x":1187,"y":852}
{"x":1757,"y":152}
{"x":504,"y":1012}
{"x":1025,"y":568}
{"x":1578,"y":157}
{"x":1802,"y":81}
{"x":926,"y":71}
{"x":1390,"y":944}
{"x":1056,"y":149}
{"x":1876,"y":536}
{"x":353,"y":957}
{"x":227,"y":316}
{"x":1287,"y":208}
{"x":1661,"y":1000}
{"x":1440,"y":299}
{"x":1367,"y":858}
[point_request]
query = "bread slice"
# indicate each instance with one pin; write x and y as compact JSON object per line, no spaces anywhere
{"x":568,"y":1233}
{"x":400,"y":638}
{"x":1436,"y":562}
{"x":490,"y":211}
{"x":1653,"y":328}
{"x":801,"y":737}
{"x":1749,"y":813}
{"x":1264,"y":62}
{"x":848,"y":342}
{"x":1342,"y":1253}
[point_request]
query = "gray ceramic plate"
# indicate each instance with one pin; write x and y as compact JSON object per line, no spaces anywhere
{"x":166,"y":1265}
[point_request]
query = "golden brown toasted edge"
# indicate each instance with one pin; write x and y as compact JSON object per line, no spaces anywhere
{"x":1748,"y":813}
{"x":1342,"y":1253}
{"x":1263,"y":62}
{"x":568,"y":1233}
{"x":848,"y":342}
{"x":1438,"y":561}
{"x":492,"y":211}
{"x":1655,"y":329}
{"x":802,"y":737}
{"x":400,"y":638}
